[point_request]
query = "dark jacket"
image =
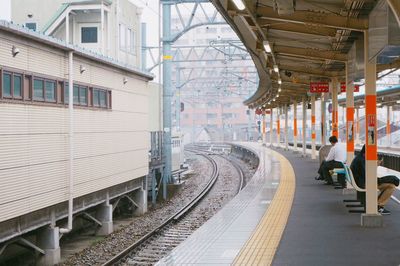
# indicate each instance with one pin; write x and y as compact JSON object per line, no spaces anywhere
{"x":358,"y":168}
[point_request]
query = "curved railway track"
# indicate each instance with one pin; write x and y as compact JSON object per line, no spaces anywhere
{"x":157,"y":243}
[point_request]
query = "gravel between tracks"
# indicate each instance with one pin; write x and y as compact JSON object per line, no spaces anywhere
{"x":221,"y":193}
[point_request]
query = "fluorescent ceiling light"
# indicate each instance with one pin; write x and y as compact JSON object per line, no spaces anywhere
{"x":398,"y":101}
{"x":276,"y":69}
{"x":379,"y":104}
{"x":279,"y":81}
{"x":279,"y":90}
{"x":267,"y":47}
{"x":239,"y":4}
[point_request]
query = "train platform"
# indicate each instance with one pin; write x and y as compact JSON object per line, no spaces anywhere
{"x":285,"y":217}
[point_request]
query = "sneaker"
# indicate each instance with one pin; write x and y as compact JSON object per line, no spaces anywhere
{"x":383,"y":211}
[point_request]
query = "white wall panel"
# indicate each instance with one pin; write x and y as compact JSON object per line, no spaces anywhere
{"x":111,"y":146}
{"x":6,"y":58}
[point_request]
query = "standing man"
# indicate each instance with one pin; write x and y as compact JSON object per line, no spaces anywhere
{"x":336,"y":157}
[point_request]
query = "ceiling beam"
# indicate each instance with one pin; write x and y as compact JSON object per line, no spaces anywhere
{"x":310,"y":53}
{"x":315,"y":18}
{"x":268,"y":24}
{"x":313,"y":71}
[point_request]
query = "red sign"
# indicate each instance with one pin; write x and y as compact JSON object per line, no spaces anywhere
{"x":343,"y":87}
{"x":316,"y":87}
{"x":258,"y":111}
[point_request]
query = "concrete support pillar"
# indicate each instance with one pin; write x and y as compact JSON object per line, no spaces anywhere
{"x":313,"y":134}
{"x":295,"y":125}
{"x":104,"y":214}
{"x":304,"y":125}
{"x":349,"y":118}
{"x":323,"y":120}
{"x":286,"y":128}
{"x":140,"y":197}
{"x":388,"y":131}
{"x":335,"y":116}
{"x":271,"y":126}
{"x":371,"y":218}
{"x":48,"y":239}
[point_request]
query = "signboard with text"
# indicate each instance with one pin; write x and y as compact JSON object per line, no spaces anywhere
{"x":319,"y":87}
{"x":343,"y":87}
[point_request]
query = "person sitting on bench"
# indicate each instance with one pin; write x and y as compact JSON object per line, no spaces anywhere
{"x":336,"y":156}
{"x":386,"y":189}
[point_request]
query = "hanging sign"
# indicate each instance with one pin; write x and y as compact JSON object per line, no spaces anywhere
{"x":316,"y":87}
{"x":371,"y":121}
{"x":258,"y":111}
{"x":343,"y":87}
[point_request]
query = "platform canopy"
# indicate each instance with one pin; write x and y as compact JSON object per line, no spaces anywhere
{"x":296,"y":42}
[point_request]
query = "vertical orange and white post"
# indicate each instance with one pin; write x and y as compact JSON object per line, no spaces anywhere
{"x":271,"y":125}
{"x":349,"y":118}
{"x":264,"y":137}
{"x":371,"y":150}
{"x":278,"y":127}
{"x":335,"y":130}
{"x":313,"y":134}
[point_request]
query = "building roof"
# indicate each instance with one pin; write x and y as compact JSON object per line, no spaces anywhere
{"x":61,"y":44}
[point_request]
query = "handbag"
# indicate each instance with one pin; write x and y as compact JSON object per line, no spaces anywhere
{"x":389,"y":179}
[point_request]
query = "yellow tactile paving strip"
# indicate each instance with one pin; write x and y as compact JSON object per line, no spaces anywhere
{"x":261,"y":247}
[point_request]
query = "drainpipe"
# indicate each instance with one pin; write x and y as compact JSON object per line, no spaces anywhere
{"x":71,"y":144}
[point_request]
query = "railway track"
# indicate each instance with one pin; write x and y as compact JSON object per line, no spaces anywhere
{"x":159,"y":242}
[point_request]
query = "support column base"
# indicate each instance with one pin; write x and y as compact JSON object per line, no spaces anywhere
{"x":105,"y":229}
{"x":52,"y":257}
{"x":371,"y":220}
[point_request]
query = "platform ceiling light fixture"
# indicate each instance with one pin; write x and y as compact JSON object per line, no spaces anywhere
{"x":279,"y":90}
{"x":276,"y":69}
{"x":267,"y":47}
{"x":279,"y":81}
{"x":398,"y":101}
{"x":239,"y":4}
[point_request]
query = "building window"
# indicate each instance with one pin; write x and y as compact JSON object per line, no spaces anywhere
{"x":6,"y":84}
{"x":17,"y":86}
{"x":89,"y":35}
{"x":50,"y":91}
{"x":76,"y":94}
{"x":38,"y":89}
{"x":83,"y":96}
{"x":100,"y":98}
{"x":31,"y":25}
{"x":131,"y":45}
{"x":122,"y":35}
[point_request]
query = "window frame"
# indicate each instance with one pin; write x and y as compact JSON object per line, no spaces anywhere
{"x":27,"y":90}
{"x":82,"y":28}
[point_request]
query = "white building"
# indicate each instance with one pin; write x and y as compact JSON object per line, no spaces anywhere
{"x":111,"y":28}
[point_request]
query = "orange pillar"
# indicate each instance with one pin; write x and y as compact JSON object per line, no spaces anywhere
{"x":349,"y":118}
{"x":278,"y":128}
{"x":313,"y":135}
{"x":335,"y":116}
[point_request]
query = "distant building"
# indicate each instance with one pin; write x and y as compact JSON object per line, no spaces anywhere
{"x":111,"y":28}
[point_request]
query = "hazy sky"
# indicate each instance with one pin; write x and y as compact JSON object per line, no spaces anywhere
{"x":5,"y":9}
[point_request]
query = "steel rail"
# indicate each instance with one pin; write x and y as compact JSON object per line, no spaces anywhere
{"x":175,"y":217}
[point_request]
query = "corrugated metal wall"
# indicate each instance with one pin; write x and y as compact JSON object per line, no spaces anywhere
{"x":111,"y":146}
